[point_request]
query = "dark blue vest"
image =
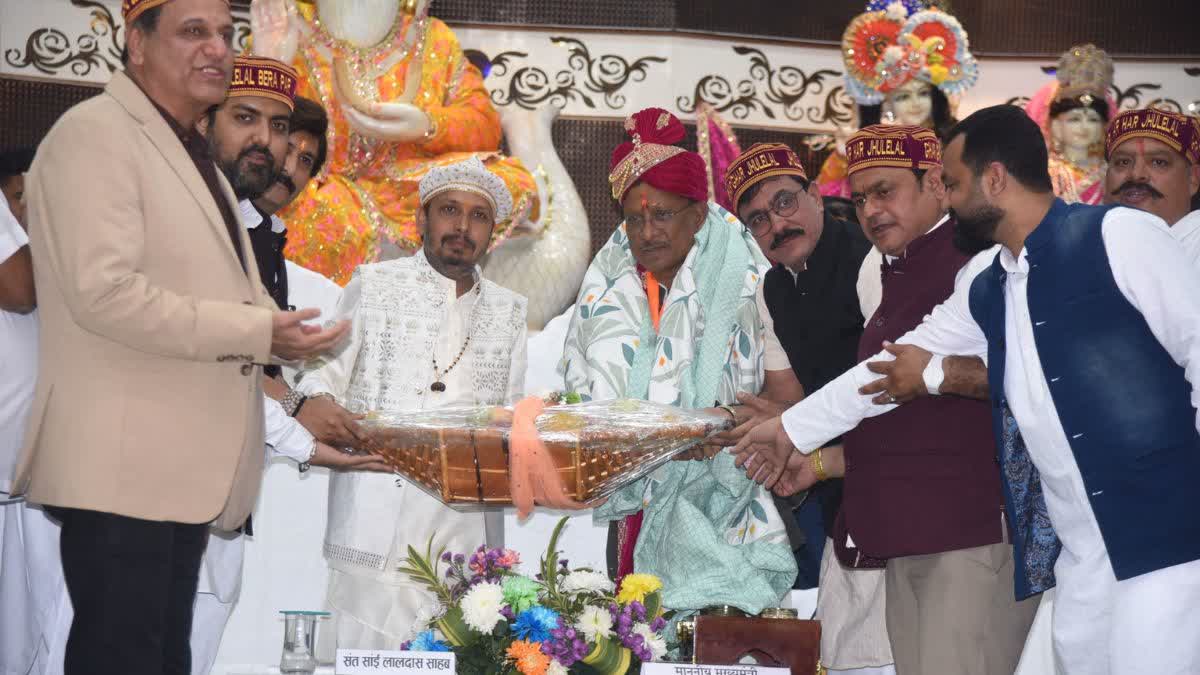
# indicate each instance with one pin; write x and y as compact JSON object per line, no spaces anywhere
{"x":1124,"y":403}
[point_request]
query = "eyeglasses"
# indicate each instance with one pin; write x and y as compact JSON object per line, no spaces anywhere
{"x":784,"y":205}
{"x":659,"y":216}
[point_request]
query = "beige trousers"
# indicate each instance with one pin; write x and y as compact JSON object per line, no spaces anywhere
{"x":954,"y":613}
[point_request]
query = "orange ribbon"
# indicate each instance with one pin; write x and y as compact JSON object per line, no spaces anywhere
{"x":532,"y":476}
{"x":652,"y":292}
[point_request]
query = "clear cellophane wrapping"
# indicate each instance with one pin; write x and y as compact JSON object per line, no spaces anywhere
{"x":460,"y":454}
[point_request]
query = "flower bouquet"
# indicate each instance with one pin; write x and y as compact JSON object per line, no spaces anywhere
{"x":499,"y":622}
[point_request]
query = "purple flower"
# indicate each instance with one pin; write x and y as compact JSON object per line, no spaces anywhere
{"x":446,"y":557}
{"x":459,"y":559}
{"x":638,"y":610}
{"x":564,"y":646}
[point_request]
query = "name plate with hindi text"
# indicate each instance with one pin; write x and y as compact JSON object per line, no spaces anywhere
{"x":655,"y":668}
{"x":372,"y":661}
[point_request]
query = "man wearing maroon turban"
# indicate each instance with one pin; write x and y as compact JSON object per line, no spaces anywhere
{"x":667,"y":313}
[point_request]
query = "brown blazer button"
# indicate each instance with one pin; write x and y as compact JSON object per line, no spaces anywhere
{"x":247,"y":369}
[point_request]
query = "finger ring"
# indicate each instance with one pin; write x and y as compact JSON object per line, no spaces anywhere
{"x":891,"y":399}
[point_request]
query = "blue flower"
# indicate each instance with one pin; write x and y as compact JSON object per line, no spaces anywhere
{"x":426,"y":642}
{"x":535,"y":624}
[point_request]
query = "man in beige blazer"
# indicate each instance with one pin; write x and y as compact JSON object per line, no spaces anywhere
{"x":147,"y":422}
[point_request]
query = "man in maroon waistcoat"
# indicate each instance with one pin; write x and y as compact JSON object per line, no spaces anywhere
{"x":922,"y":487}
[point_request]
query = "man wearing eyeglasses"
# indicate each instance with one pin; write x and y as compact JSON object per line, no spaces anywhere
{"x":922,"y":488}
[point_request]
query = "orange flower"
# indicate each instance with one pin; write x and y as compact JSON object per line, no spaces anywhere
{"x":529,"y":657}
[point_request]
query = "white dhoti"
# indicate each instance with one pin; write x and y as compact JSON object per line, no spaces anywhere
{"x":216,"y":594}
{"x":851,"y":609}
{"x":34,"y":605}
{"x":375,"y":606}
{"x":1147,"y":624}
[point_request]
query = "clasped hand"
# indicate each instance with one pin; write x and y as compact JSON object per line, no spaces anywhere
{"x":764,"y":452}
{"x":393,"y":122}
{"x":903,"y":377}
{"x":756,"y":410}
{"x":330,"y":422}
{"x":276,"y":26}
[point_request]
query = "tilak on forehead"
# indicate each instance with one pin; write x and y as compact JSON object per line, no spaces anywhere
{"x":1179,"y":132}
{"x":132,"y":9}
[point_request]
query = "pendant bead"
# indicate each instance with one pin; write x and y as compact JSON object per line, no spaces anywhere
{"x":438,"y":387}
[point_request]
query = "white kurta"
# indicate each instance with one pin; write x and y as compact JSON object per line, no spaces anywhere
{"x":35,"y":612}
{"x":18,"y":365}
{"x":403,"y":314}
{"x":221,"y":567}
{"x":1187,"y":231}
{"x":1101,"y":625}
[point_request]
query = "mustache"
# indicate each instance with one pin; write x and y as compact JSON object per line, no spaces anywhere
{"x":260,"y":149}
{"x":287,"y":182}
{"x":1138,"y":185}
{"x":779,"y":239}
{"x":450,"y":238}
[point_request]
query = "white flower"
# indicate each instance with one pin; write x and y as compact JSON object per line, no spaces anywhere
{"x":587,"y":581}
{"x":595,"y":623}
{"x":481,"y":607}
{"x":896,"y":11}
{"x":556,"y":668}
{"x":893,"y":54}
{"x":656,"y":644}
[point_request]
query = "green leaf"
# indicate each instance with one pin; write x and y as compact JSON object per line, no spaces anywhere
{"x":608,"y":658}
{"x":627,"y":350}
{"x":585,"y":311}
{"x":550,"y":560}
{"x":667,"y":349}
{"x":758,"y":511}
{"x":605,"y":310}
{"x":653,"y":605}
{"x":744,"y":344}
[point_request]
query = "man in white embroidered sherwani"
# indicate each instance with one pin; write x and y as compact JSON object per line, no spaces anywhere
{"x":428,"y":332}
{"x":1089,"y":320}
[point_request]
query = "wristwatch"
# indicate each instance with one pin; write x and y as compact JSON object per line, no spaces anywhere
{"x":933,"y":374}
{"x":292,"y":401}
{"x":307,"y":464}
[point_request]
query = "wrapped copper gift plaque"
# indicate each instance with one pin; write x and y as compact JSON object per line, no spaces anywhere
{"x":461,"y":455}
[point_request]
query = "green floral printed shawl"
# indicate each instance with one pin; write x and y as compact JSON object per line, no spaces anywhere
{"x":712,"y":535}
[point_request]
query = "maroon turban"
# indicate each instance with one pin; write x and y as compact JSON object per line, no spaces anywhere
{"x":652,"y":156}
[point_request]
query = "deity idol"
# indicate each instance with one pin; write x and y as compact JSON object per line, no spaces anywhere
{"x":1073,"y":112}
{"x":903,"y":65}
{"x":402,"y":98}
